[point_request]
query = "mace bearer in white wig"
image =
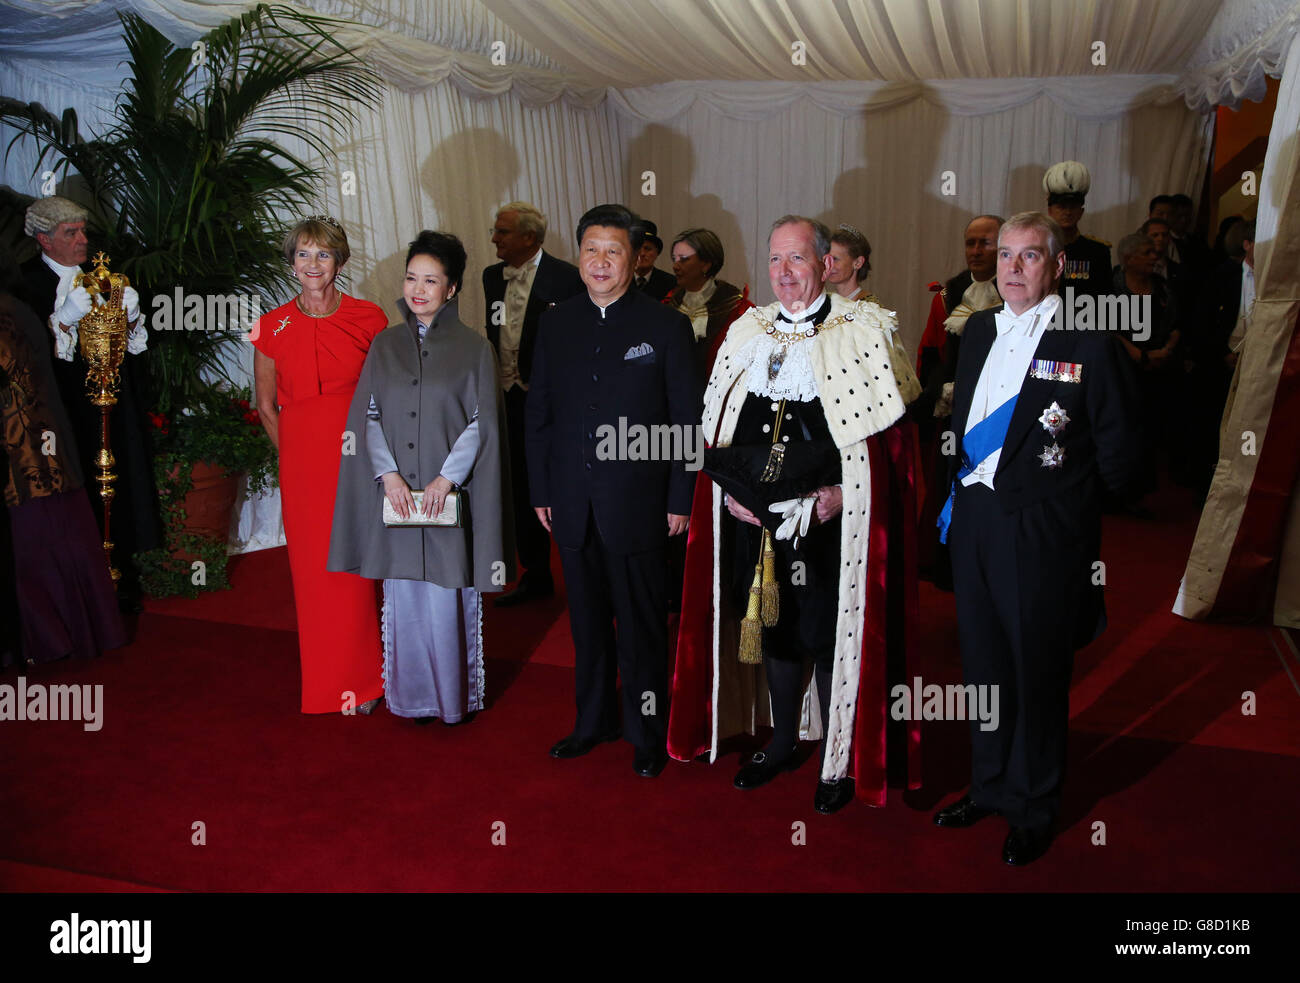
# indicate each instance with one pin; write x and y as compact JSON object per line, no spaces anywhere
{"x":49,"y":285}
{"x":59,"y":228}
{"x":45,"y":214}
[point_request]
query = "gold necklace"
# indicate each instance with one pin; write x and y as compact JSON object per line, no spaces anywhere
{"x":333,"y":310}
{"x":784,"y":340}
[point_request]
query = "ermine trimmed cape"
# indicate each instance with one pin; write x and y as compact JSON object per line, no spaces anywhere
{"x":864,"y":380}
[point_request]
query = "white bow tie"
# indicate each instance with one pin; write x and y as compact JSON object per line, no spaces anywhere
{"x":514,"y":272}
{"x":1006,"y":321}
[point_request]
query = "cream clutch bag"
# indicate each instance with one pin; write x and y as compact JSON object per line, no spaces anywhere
{"x":449,"y":516}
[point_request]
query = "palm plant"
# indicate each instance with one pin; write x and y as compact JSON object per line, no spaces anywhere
{"x":191,"y":186}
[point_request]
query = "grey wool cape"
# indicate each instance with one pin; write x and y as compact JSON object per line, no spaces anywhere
{"x":427,"y":394}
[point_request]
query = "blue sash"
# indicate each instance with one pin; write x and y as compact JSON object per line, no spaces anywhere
{"x":981,"y":440}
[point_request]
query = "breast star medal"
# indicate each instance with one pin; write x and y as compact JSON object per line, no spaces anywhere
{"x":1054,"y":419}
{"x":1052,"y":457}
{"x":283,"y":324}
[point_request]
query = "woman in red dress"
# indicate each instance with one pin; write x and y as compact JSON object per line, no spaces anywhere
{"x":309,"y":355}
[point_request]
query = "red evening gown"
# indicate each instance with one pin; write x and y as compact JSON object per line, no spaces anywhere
{"x":317,"y":362}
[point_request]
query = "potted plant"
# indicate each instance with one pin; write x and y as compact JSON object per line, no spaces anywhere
{"x":202,"y":453}
{"x":189,"y":193}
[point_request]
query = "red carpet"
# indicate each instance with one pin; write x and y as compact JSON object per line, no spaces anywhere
{"x":200,"y":725}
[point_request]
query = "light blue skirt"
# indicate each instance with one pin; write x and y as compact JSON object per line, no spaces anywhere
{"x":433,"y":650}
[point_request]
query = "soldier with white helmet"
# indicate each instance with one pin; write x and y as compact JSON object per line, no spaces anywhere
{"x":1087,"y":260}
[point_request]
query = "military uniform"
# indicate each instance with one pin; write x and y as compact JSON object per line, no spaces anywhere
{"x":1087,"y":260}
{"x":1087,"y":267}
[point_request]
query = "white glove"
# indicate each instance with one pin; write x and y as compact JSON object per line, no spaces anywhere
{"x":74,"y":308}
{"x":137,"y":339}
{"x":131,"y":304}
{"x":797,"y":513}
{"x":943,"y":405}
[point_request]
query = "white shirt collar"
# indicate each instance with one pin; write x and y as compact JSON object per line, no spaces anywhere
{"x":63,"y":271}
{"x":1028,"y":322}
{"x":807,"y":312}
{"x":701,"y":296}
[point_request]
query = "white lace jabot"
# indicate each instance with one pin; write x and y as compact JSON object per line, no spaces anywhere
{"x":795,"y":378}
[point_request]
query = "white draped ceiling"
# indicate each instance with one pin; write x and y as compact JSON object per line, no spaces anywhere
{"x":568,"y":103}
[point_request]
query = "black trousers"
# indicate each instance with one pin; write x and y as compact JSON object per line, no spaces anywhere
{"x":1016,"y":580}
{"x":531,"y":538}
{"x":619,"y":616}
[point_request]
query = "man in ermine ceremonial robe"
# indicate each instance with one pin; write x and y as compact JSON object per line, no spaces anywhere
{"x":800,"y":574}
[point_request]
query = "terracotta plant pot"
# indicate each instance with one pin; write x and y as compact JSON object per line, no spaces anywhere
{"x":210,"y":501}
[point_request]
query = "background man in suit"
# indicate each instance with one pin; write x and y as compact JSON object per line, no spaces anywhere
{"x":973,"y":289}
{"x":647,"y":277}
{"x":613,"y":360}
{"x":526,"y":282}
{"x":1187,"y":247}
{"x":1217,"y":330}
{"x":1045,"y":418}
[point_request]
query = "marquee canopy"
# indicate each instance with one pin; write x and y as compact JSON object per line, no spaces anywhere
{"x":1210,"y":51}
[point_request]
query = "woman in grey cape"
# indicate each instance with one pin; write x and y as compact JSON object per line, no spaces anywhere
{"x":426,"y":416}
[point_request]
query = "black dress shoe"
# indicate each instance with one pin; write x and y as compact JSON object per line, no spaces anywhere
{"x":833,"y":796}
{"x":961,"y":814}
{"x":1025,"y":844}
{"x":523,"y":593}
{"x":648,"y":764}
{"x":575,"y":747}
{"x":761,"y":769}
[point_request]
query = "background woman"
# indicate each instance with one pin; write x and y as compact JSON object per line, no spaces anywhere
{"x":710,"y":303}
{"x":427,"y":414}
{"x":850,"y":263}
{"x":62,"y":597}
{"x":309,"y":354}
{"x":1155,"y":355}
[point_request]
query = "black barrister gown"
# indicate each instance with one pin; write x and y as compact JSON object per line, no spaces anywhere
{"x":135,"y":522}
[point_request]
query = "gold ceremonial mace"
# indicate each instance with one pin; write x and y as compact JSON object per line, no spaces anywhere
{"x":102,"y":335}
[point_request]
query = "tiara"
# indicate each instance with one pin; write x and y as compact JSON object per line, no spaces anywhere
{"x":849,"y":229}
{"x":327,"y":219}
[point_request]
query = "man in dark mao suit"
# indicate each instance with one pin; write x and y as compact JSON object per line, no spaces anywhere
{"x":609,"y":362}
{"x":527,"y":282}
{"x":1025,"y":529}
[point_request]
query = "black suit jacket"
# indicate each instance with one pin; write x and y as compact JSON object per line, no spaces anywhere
{"x":38,"y":289}
{"x":584,"y":392}
{"x":554,"y":281}
{"x":922,"y":408}
{"x":1220,"y":303}
{"x":659,"y":285}
{"x":1101,"y":441}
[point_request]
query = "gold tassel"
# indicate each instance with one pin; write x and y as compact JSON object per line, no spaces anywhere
{"x":775,"y":461}
{"x":751,"y":629}
{"x":771,"y":592}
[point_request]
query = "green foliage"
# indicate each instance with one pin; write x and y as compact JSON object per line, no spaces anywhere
{"x":193,"y":184}
{"x":167,"y":574}
{"x":222,"y":429}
